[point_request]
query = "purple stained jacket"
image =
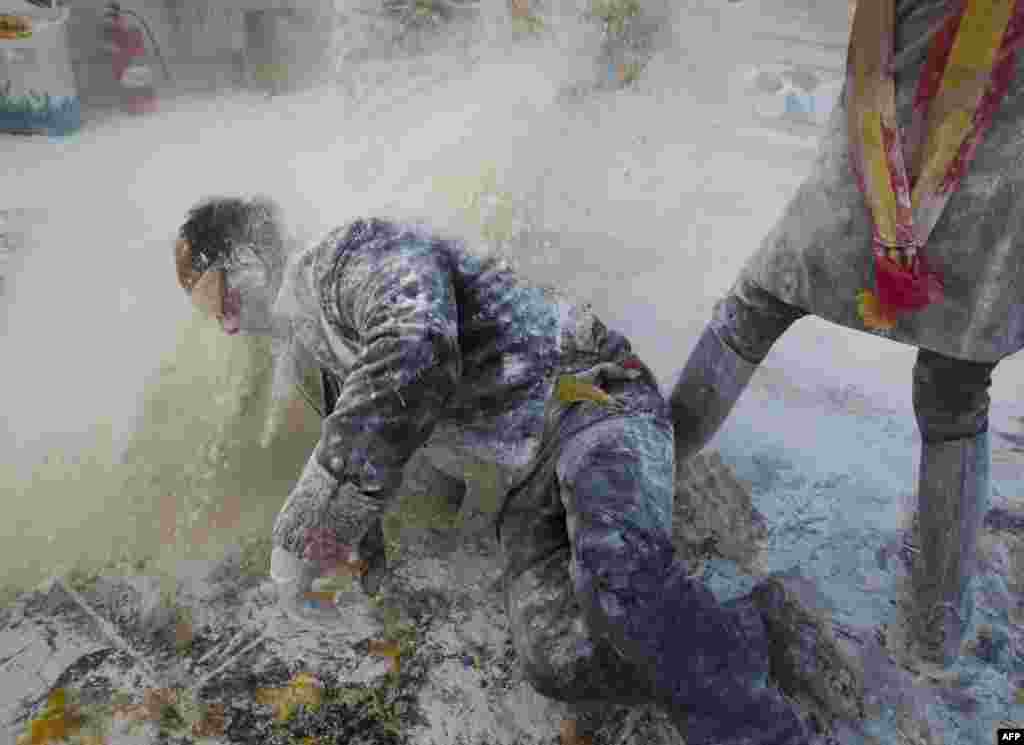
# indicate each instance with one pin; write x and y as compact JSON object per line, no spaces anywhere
{"x":428,"y":340}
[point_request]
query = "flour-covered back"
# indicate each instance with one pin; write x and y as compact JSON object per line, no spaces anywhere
{"x":430,"y":340}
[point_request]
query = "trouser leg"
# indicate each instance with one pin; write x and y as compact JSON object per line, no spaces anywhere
{"x":951,"y":404}
{"x":556,"y":652}
{"x":744,"y":326}
{"x":707,"y":662}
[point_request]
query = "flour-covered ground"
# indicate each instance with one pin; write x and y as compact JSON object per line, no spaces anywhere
{"x":136,"y":444}
{"x":835,"y":482}
{"x":214,"y":641}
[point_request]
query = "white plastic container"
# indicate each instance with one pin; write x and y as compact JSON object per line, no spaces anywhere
{"x":37,"y":82}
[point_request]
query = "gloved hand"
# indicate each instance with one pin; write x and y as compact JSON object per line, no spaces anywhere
{"x":368,"y":560}
{"x":294,"y":577}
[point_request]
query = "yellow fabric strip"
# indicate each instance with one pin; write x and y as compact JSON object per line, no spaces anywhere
{"x":944,"y":142}
{"x":971,"y":59}
{"x":978,"y":39}
{"x":569,"y":389}
{"x":878,"y":176}
{"x":873,"y":106}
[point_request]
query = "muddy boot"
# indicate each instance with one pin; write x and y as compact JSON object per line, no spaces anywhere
{"x":705,"y":393}
{"x":708,"y":662}
{"x":953,"y":496}
{"x":806,"y":661}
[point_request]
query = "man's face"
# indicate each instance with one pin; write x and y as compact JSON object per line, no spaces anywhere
{"x":249,"y":294}
{"x":238,"y":291}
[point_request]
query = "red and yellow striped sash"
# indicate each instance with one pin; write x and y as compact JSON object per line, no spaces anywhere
{"x":907,"y":180}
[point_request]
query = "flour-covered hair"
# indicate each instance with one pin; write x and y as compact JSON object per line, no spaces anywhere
{"x":216,"y":225}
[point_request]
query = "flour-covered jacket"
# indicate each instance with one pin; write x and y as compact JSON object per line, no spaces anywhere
{"x":428,"y":340}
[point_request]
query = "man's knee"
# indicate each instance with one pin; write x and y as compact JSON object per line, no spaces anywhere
{"x":622,"y":470}
{"x":750,"y":320}
{"x":951,"y":398}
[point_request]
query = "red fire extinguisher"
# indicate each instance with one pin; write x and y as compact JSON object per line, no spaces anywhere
{"x":127,"y":45}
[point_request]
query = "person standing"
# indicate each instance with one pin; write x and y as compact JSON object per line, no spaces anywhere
{"x":917,"y":239}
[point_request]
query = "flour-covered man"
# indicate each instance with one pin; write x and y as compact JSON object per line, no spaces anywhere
{"x":426,"y":339}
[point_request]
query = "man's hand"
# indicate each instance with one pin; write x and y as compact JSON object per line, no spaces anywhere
{"x":368,"y":562}
{"x":333,"y":556}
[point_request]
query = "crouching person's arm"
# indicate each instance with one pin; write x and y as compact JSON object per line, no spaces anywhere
{"x":402,"y":305}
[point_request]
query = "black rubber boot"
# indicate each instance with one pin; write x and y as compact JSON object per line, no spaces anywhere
{"x":953,"y":496}
{"x":744,"y":326}
{"x":705,"y":393}
{"x":951,"y":405}
{"x":807,"y":663}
